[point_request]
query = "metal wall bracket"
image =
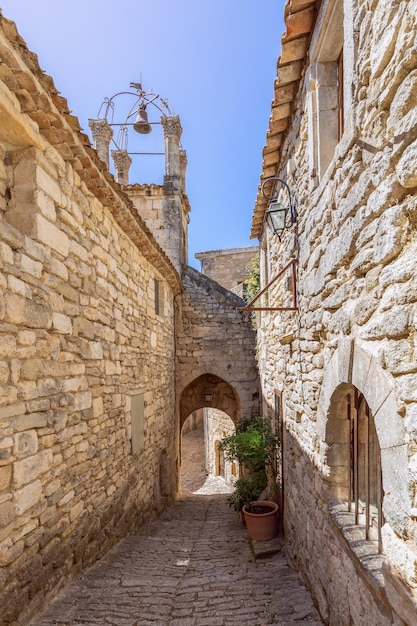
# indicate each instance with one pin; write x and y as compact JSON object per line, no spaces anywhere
{"x":294,"y":307}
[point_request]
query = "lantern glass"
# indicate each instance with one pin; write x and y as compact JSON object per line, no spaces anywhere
{"x":276,"y":217}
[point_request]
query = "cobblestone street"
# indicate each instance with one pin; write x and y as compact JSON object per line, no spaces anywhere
{"x":192,"y":566}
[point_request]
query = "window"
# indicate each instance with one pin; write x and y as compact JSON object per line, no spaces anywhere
{"x":326,"y":98}
{"x":158,"y":295}
{"x":365,"y":480}
{"x":137,"y":412}
{"x":355,"y":460}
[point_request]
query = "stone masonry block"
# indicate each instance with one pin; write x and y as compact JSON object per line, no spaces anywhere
{"x":82,"y":400}
{"x":50,"y":235}
{"x":387,"y":21}
{"x":406,"y":168}
{"x":28,"y":496}
{"x":26,"y":444}
{"x":61,"y":323}
{"x":25,"y":422}
{"x":27,"y":470}
{"x":7,"y":513}
{"x":5,"y":477}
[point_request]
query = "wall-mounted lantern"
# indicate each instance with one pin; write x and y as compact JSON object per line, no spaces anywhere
{"x":208,"y":396}
{"x":278,"y":216}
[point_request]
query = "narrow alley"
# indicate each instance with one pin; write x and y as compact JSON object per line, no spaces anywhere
{"x":192,"y":566}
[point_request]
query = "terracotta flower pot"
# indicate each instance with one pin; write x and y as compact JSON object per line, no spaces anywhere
{"x":262,"y":524}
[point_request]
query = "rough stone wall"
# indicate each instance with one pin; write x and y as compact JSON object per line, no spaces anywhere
{"x":230,"y":267}
{"x":165,"y":211}
{"x":213,"y":339}
{"x":219,"y":425}
{"x":195,"y":420}
{"x":356,"y":246}
{"x":79,"y":337}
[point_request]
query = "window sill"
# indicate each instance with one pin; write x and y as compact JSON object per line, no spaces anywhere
{"x":365,"y":550}
{"x":376,"y":572}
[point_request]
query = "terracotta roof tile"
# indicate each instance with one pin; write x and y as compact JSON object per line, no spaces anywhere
{"x":299,"y":22}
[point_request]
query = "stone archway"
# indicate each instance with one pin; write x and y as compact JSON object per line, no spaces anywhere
{"x":209,"y":390}
{"x":215,"y":353}
{"x":218,"y":403}
{"x":213,"y":338}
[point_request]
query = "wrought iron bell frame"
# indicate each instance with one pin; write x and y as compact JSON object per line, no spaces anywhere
{"x":138,"y":109}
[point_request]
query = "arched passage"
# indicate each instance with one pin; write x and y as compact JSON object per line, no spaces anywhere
{"x":210,"y":391}
{"x":215,"y":349}
{"x":216,"y":405}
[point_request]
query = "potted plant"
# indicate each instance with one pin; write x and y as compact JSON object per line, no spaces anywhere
{"x":253,"y":446}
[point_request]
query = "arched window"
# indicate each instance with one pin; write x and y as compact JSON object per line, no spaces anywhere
{"x":355,"y":460}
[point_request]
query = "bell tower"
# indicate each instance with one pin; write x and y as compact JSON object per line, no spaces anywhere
{"x":164,"y":208}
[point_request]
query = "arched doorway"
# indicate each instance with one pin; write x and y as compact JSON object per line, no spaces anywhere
{"x":209,"y":409}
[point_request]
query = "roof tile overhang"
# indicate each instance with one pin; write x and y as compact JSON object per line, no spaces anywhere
{"x":299,"y":16}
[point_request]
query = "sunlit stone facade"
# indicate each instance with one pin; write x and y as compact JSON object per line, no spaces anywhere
{"x":340,"y":372}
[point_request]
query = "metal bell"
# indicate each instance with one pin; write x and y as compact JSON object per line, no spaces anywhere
{"x":141,"y":124}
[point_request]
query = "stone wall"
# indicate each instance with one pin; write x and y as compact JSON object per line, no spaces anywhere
{"x":355,"y":243}
{"x":219,"y":425}
{"x":81,"y":347}
{"x":229,"y":267}
{"x":215,"y":350}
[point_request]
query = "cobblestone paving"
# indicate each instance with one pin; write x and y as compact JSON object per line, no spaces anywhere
{"x":193,"y":566}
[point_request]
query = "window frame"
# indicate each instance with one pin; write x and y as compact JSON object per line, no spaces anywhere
{"x":328,"y":104}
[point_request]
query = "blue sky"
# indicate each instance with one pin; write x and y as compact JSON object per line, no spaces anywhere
{"x":213,"y":60}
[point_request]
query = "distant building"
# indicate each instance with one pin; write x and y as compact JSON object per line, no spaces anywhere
{"x":229,"y":267}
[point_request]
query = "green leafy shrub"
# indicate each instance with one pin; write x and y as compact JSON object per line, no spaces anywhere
{"x":253,"y":284}
{"x":253,"y":446}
